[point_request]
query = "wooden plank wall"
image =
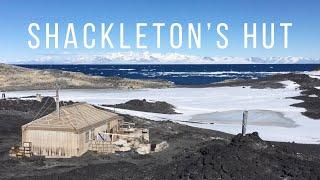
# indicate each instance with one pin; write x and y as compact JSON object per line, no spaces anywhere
{"x":63,"y":144}
{"x":52,"y":143}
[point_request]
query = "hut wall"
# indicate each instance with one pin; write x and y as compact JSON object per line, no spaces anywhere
{"x":83,"y":142}
{"x":113,"y":125}
{"x":52,"y":144}
{"x":65,"y":144}
{"x":98,"y":129}
{"x":91,"y":134}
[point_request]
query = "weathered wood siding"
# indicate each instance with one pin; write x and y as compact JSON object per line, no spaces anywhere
{"x":52,"y":143}
{"x":64,"y":144}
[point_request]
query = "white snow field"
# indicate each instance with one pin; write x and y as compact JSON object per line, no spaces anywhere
{"x":218,"y":108}
{"x":313,"y":74}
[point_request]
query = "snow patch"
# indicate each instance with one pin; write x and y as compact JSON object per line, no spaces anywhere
{"x":313,"y":74}
{"x":290,"y":85}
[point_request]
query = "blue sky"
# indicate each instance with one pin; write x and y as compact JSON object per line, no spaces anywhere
{"x":304,"y":36}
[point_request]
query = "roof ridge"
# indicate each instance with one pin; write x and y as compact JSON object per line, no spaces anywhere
{"x":72,"y":117}
{"x":74,"y":104}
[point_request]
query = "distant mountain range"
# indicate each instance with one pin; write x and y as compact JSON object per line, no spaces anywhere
{"x":159,"y":58}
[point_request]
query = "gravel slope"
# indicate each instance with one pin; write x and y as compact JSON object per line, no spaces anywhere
{"x":18,"y":78}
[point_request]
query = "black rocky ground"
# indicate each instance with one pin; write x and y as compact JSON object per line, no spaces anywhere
{"x":246,"y":157}
{"x":146,"y":106}
{"x":193,"y":153}
{"x":92,"y":166}
{"x":15,"y":113}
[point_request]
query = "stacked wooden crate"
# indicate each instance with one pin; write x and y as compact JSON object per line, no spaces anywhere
{"x":102,"y":147}
{"x":22,"y":151}
{"x":27,"y":149}
{"x":14,"y":151}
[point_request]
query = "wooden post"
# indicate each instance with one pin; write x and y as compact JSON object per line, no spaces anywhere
{"x":244,"y":122}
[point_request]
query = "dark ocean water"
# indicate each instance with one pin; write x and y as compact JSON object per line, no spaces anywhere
{"x":184,"y":74}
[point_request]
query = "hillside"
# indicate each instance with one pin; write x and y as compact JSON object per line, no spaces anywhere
{"x":18,"y":78}
{"x":146,"y":106}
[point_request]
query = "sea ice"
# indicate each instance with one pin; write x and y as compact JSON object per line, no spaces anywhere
{"x":278,"y":122}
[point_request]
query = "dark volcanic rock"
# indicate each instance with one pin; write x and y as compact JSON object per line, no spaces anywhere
{"x":91,"y":165}
{"x":312,"y":104}
{"x":273,"y":81}
{"x":310,"y":96}
{"x":250,"y":140}
{"x":15,"y":113}
{"x":192,"y":154}
{"x":143,"y":105}
{"x":245,"y":157}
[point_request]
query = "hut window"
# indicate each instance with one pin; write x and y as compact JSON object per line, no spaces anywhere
{"x":87,"y":137}
{"x":92,"y":134}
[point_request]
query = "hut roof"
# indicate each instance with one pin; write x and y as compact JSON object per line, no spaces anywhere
{"x":76,"y":117}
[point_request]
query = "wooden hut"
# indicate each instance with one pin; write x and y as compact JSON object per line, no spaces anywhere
{"x":69,"y":133}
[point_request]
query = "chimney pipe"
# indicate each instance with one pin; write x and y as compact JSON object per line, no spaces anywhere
{"x":57,"y":101}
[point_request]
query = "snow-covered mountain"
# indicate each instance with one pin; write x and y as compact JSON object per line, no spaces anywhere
{"x":285,"y":60}
{"x":162,"y":58}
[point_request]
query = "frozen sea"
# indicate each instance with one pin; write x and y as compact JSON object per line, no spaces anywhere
{"x":218,"y":108}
